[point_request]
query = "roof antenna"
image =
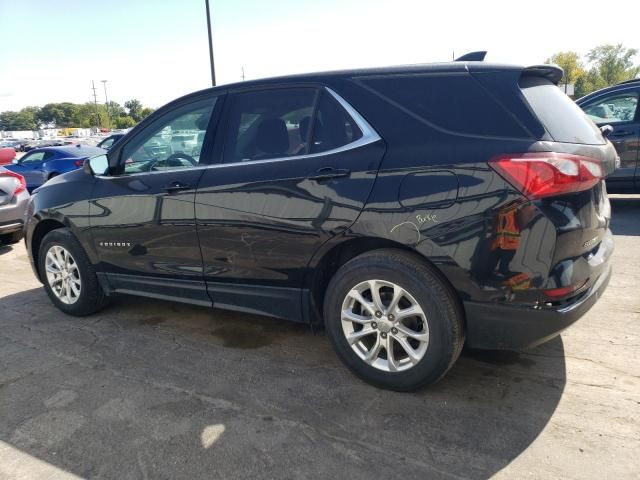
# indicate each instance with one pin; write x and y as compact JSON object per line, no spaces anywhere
{"x":472,"y":57}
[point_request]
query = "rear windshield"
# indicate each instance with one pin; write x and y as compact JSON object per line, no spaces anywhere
{"x":561,"y":117}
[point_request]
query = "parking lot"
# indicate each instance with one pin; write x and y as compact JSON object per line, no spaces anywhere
{"x":150,"y":389}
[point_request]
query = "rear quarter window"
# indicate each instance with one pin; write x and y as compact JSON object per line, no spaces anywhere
{"x":561,"y":117}
{"x":456,"y":103}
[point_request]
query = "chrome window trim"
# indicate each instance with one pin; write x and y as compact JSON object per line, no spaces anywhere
{"x":369,"y":135}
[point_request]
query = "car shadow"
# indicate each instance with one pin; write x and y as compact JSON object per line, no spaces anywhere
{"x":625,"y":215}
{"x":5,"y":249}
{"x":152,"y":388}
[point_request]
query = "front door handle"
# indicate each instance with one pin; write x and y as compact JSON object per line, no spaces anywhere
{"x":176,"y":187}
{"x":329,"y":173}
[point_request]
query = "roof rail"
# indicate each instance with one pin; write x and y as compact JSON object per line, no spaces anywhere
{"x":472,"y":57}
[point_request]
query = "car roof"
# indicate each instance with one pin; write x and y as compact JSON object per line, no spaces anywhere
{"x":629,"y":84}
{"x":73,"y":150}
{"x":445,"y":67}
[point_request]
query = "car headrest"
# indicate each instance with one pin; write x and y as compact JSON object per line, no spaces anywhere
{"x":272,"y":137}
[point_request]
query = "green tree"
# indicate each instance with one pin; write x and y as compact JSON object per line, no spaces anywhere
{"x":22,"y":120}
{"x":613,"y":63}
{"x":146,"y":112}
{"x":571,"y":63}
{"x":125,"y":122}
{"x":134,"y":109}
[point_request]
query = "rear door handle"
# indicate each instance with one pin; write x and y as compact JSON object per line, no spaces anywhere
{"x":176,"y":187}
{"x":327,"y":173}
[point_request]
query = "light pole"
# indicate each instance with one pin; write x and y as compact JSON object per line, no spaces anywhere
{"x":106,"y":101}
{"x":213,"y":71}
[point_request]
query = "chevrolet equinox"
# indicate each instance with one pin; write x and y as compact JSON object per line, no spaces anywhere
{"x":408,"y":210}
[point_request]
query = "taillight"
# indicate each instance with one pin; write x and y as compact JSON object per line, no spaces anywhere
{"x":546,"y":174}
{"x":78,"y":163}
{"x":20,"y":182}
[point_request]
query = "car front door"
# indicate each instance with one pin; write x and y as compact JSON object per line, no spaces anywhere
{"x":142,"y":214}
{"x":296,"y":166}
{"x":620,"y":110}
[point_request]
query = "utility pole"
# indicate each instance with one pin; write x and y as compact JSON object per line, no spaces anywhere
{"x":106,"y":101}
{"x":95,"y":101}
{"x":213,"y":71}
{"x":243,"y":74}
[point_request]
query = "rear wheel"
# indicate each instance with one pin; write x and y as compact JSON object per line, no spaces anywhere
{"x":10,"y":238}
{"x":392,"y":320}
{"x":69,"y":278}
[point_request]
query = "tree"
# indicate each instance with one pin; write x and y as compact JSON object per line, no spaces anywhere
{"x":134,"y":109}
{"x":22,"y":120}
{"x":146,"y":112}
{"x":571,"y":64}
{"x":125,"y":122}
{"x":614,"y":63}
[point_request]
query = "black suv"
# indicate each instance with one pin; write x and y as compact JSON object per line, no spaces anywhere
{"x":407,"y":210}
{"x":617,"y":106}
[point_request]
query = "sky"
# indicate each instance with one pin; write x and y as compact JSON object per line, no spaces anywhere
{"x":156,"y":51}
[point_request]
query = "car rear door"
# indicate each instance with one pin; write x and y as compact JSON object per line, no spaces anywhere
{"x":296,"y":166}
{"x":620,"y":110}
{"x":142,"y":214}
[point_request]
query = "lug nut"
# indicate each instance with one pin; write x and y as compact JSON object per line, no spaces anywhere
{"x":374,"y":325}
{"x":378,"y":314}
{"x":391,"y":317}
{"x":394,"y":330}
{"x":383,"y":335}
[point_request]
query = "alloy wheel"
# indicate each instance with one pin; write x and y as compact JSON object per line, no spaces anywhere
{"x":385,"y":325}
{"x":63,"y":274}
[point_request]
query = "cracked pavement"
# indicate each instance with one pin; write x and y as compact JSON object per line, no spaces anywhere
{"x":152,"y":389}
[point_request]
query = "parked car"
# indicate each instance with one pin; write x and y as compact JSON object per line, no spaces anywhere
{"x":7,"y":154}
{"x":42,"y":164}
{"x":108,"y":142}
{"x":617,"y":106}
{"x":13,"y":204}
{"x":408,"y":210}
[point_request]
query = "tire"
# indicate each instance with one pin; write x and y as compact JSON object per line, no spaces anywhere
{"x":90,"y":297}
{"x":436,"y":331}
{"x":10,"y":238}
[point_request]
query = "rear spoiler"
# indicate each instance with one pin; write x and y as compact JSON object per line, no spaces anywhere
{"x":551,"y":72}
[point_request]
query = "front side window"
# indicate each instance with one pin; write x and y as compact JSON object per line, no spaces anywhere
{"x":34,"y":157}
{"x":172,"y":142}
{"x":269,"y":124}
{"x":614,"y":109}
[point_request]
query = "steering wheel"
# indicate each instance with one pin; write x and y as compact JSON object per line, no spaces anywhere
{"x":171,"y":161}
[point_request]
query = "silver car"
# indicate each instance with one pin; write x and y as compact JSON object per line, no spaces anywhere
{"x":13,"y":204}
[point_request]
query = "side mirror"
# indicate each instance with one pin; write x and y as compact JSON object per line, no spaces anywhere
{"x":98,"y":165}
{"x":606,"y":130}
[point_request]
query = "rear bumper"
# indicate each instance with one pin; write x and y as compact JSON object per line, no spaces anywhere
{"x":505,"y":327}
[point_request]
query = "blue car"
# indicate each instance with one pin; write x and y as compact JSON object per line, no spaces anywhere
{"x":41,"y":164}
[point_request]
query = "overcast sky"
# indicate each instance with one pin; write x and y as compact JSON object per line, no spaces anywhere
{"x":156,"y":51}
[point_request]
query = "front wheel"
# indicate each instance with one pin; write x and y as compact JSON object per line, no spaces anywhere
{"x":68,"y":276}
{"x":393,"y":320}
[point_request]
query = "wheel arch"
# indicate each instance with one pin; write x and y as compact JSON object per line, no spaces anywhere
{"x":325,"y":265}
{"x":42,"y":228}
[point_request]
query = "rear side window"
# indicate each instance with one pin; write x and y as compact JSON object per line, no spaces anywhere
{"x":453,"y":102}
{"x":269,"y":124}
{"x":561,"y":117}
{"x":332,"y":126}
